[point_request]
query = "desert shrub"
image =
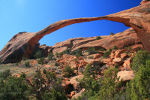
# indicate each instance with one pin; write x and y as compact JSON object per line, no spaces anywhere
{"x":62,"y":53}
{"x":88,"y":82}
{"x":17,"y":64}
{"x":77,"y":53}
{"x":68,"y":71}
{"x":41,"y":60}
{"x":109,"y":88}
{"x":140,"y":59}
{"x":50,"y":56}
{"x":44,"y":71}
{"x":44,"y":86}
{"x":27,"y":64}
{"x":112,"y":33}
{"x":66,"y":51}
{"x":101,"y":49}
{"x":115,"y":48}
{"x":104,"y":88}
{"x":57,"y":54}
{"x":107,"y":53}
{"x":5,"y":74}
{"x":91,"y":50}
{"x":47,"y":87}
{"x":57,"y":64}
{"x":89,"y":71}
{"x":108,"y":84}
{"x":139,"y":87}
{"x":38,"y":54}
{"x":98,"y":38}
{"x":14,"y":88}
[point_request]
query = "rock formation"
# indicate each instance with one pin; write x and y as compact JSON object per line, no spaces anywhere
{"x":23,"y":44}
{"x":122,"y":39}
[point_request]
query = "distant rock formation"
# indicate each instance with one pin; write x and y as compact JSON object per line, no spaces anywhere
{"x":122,"y":39}
{"x":23,"y":44}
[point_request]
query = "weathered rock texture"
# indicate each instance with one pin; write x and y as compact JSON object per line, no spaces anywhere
{"x":122,"y":39}
{"x":23,"y":44}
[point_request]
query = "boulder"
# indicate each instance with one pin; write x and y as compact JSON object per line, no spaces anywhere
{"x":123,"y":55}
{"x":78,"y":94}
{"x":117,"y":60}
{"x":125,"y":75}
{"x":96,"y":56}
{"x":127,"y":63}
{"x":74,"y":81}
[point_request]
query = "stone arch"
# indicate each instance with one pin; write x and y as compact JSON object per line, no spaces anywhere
{"x":134,"y":18}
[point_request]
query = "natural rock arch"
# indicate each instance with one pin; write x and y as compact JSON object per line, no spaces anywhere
{"x":23,"y":44}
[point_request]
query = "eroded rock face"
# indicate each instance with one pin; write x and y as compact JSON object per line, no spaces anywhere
{"x":120,"y":40}
{"x":23,"y":44}
{"x":144,"y":1}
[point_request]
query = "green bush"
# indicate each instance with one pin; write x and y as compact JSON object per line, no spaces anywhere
{"x":92,"y":50}
{"x":5,"y":74}
{"x":38,"y":54}
{"x":48,"y":87}
{"x":27,"y":64}
{"x":66,"y":51}
{"x":115,"y":48}
{"x":44,"y":86}
{"x":62,"y":53}
{"x":88,"y":82}
{"x":109,"y":85}
{"x":68,"y":71}
{"x":104,"y":88}
{"x":139,"y":87}
{"x":50,"y":56}
{"x":140,"y":59}
{"x":98,"y":38}
{"x":57,"y":64}
{"x":14,"y":88}
{"x":89,"y":71}
{"x":77,"y":53}
{"x":107,"y":53}
{"x":44,"y":71}
{"x":109,"y":88}
{"x":41,"y":60}
{"x":112,"y":33}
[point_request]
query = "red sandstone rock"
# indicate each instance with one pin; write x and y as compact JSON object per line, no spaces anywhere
{"x":118,"y":53}
{"x":72,"y":61}
{"x":73,"y":81}
{"x":137,"y":47}
{"x":72,"y":93}
{"x":117,"y":60}
{"x":96,"y":56}
{"x":78,"y":94}
{"x":123,"y":55}
{"x":144,"y":1}
{"x":127,"y":64}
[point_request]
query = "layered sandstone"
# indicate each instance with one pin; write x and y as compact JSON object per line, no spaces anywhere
{"x":122,"y":39}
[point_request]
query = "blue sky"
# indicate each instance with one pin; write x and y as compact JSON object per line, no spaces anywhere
{"x":34,"y":15}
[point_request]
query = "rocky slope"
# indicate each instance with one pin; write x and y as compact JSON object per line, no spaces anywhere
{"x":101,"y":53}
{"x":24,"y":44}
